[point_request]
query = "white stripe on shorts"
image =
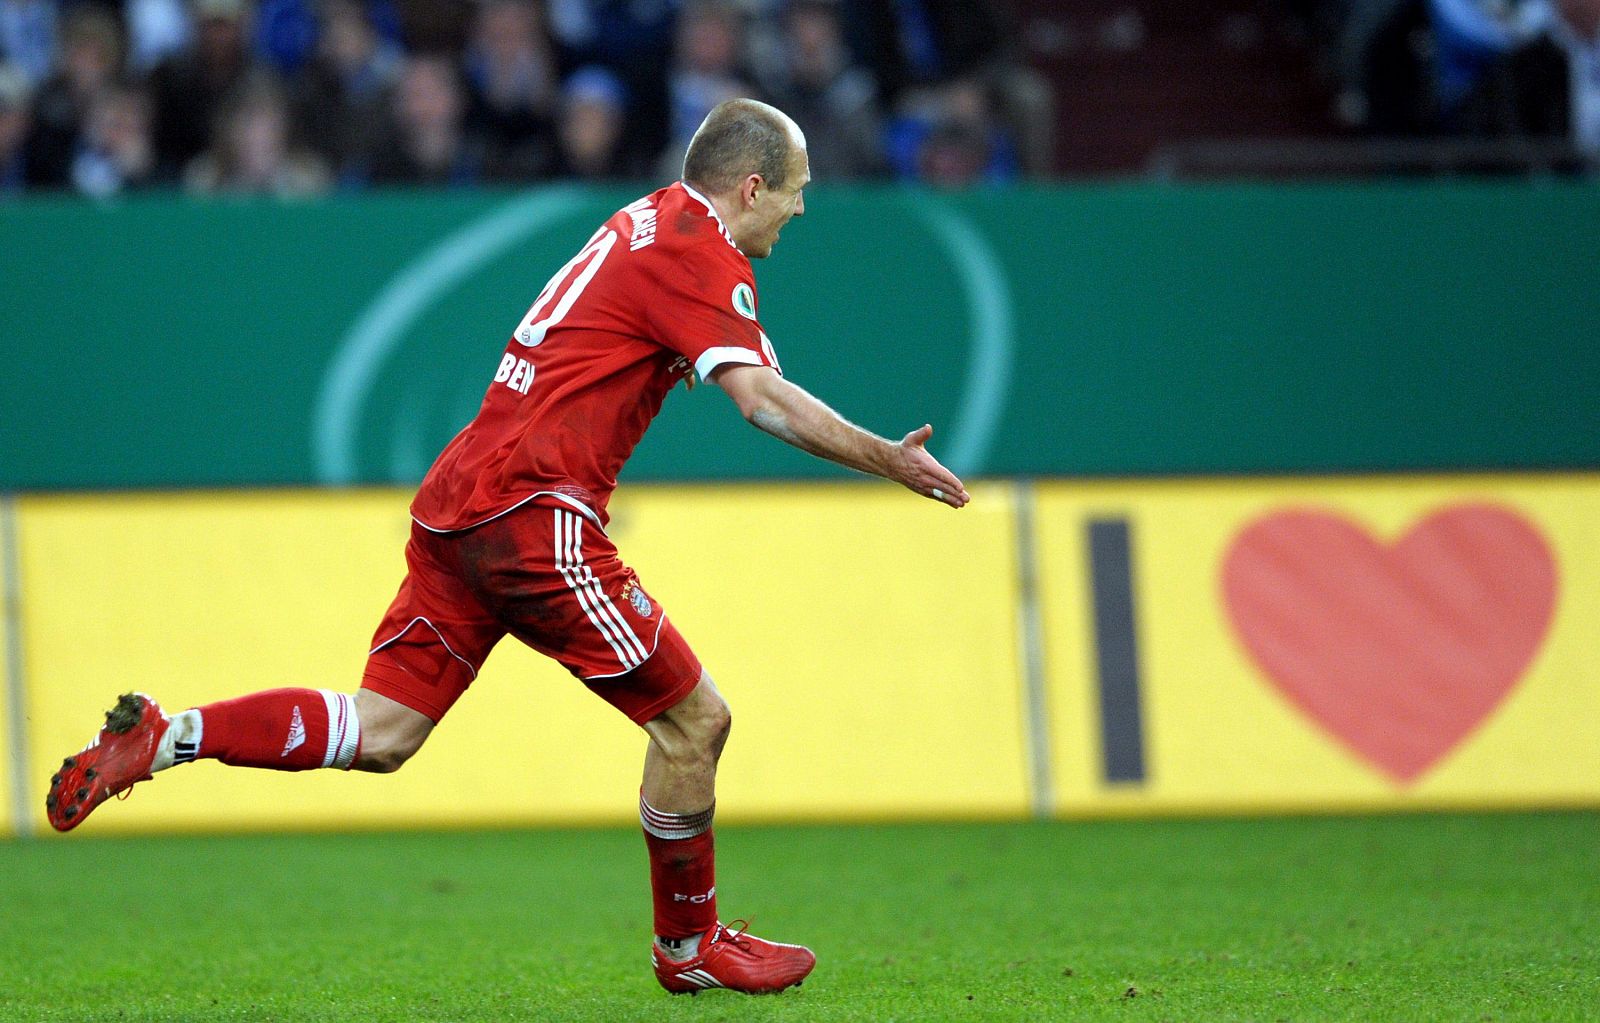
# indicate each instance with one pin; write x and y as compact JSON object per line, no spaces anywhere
{"x":569,"y":557}
{"x":584,"y":583}
{"x":603,"y":603}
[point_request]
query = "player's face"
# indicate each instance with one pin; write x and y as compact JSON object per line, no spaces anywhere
{"x":774,"y":207}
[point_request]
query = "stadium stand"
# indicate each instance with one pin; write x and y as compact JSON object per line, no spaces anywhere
{"x":103,"y":97}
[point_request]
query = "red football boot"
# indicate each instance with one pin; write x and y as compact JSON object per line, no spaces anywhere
{"x":736,"y":960}
{"x":112,"y":762}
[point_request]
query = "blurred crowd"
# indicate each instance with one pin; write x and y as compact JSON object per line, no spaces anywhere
{"x":1466,"y":68}
{"x":300,"y":97}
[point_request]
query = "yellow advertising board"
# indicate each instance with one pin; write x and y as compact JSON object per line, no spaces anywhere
{"x":9,"y":614}
{"x":1322,"y":644}
{"x":862,"y":636}
{"x":1203,"y":646}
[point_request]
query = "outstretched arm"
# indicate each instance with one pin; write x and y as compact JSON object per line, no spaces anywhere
{"x":793,"y":415}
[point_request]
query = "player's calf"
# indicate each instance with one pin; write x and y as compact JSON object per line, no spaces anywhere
{"x":391,"y":732}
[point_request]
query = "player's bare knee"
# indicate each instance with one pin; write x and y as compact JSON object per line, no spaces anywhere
{"x":694,"y":742}
{"x":720,"y":726}
{"x":691,"y":733}
{"x":707,"y":729}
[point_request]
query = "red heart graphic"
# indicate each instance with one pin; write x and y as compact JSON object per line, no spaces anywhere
{"x":1399,"y":651}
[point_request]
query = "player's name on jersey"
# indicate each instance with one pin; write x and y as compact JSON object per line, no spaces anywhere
{"x":643,"y":215}
{"x":515,"y":373}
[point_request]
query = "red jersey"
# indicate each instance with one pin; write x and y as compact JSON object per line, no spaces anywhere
{"x":658,"y":293}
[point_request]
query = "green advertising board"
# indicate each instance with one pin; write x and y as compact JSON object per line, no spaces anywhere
{"x":1091,"y":330}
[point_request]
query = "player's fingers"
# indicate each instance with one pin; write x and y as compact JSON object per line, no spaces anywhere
{"x":955,"y":498}
{"x":918,"y":437}
{"x":945,"y":480}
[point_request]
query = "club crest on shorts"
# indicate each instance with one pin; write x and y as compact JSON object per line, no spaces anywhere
{"x":635,"y":596}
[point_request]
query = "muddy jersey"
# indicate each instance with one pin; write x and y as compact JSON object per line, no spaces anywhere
{"x":658,"y":293}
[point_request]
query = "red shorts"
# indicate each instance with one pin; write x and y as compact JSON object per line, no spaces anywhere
{"x":547,"y":575}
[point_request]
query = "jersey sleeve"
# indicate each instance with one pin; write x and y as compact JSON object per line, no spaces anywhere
{"x":705,"y":310}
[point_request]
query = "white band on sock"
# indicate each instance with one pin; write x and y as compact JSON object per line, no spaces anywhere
{"x":181,"y":741}
{"x":344,"y":730}
{"x":674,"y":825}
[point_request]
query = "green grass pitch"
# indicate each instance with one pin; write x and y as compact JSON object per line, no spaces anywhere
{"x":1470,"y":918}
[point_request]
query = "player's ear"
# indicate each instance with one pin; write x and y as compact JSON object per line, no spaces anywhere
{"x":752,"y":188}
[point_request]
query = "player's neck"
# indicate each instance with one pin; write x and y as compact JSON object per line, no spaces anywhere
{"x":726,"y":206}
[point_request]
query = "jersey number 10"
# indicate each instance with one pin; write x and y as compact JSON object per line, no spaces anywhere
{"x":537,"y":322}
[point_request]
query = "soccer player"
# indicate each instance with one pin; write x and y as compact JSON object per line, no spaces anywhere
{"x":509,"y":537}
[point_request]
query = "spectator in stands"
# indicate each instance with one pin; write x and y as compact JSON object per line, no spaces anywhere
{"x":116,"y":153}
{"x":1390,"y":83}
{"x":951,"y":138}
{"x":1469,"y":37}
{"x":427,"y":142}
{"x":922,"y":46}
{"x":347,"y":90}
{"x":190,"y":87}
{"x":91,"y":54}
{"x":28,"y":38}
{"x":429,"y":26}
{"x":929,"y":42}
{"x":832,"y":100}
{"x":634,"y":40}
{"x":157,"y":29}
{"x":253,"y":152}
{"x":593,"y":111}
{"x":288,"y":33}
{"x":511,"y":74}
{"x":1408,"y":66}
{"x":14,"y":123}
{"x":616,"y":33}
{"x":1550,"y":85}
{"x":707,"y":69}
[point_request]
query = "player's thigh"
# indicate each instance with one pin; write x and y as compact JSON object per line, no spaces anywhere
{"x":434,"y":637}
{"x":568,"y":595}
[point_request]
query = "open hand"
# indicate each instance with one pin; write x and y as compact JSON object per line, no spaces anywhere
{"x":921,"y":472}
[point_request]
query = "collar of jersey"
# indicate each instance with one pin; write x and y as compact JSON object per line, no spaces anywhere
{"x":712,"y":210}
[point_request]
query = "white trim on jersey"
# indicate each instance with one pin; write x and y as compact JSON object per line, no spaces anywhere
{"x":712,"y":358}
{"x":442,"y":641}
{"x":580,"y":578}
{"x":583,"y":510}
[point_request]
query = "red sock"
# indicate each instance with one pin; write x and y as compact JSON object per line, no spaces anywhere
{"x":282,"y":729}
{"x":682,"y":870}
